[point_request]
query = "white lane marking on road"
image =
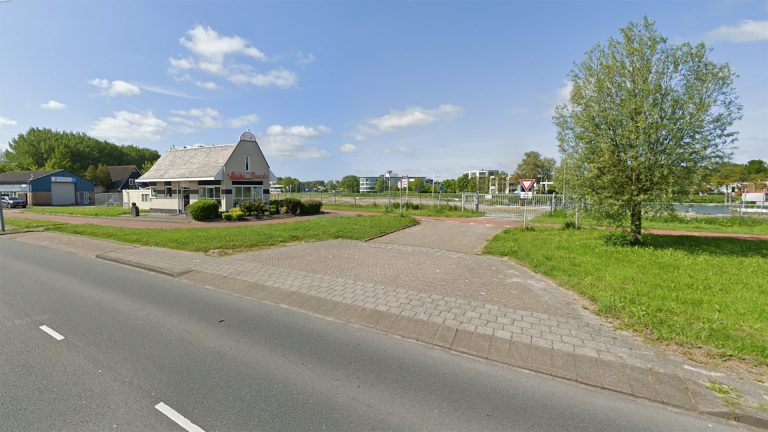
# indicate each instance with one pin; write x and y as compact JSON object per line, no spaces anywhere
{"x":51,"y":332}
{"x":178,"y":418}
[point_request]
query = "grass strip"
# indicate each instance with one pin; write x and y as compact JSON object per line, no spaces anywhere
{"x":241,"y":238}
{"x":716,"y":224}
{"x":83,"y":211}
{"x":23,"y":223}
{"x":445,"y":210}
{"x":692,"y":291}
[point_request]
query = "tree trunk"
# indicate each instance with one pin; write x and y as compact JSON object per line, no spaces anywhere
{"x":635,"y":224}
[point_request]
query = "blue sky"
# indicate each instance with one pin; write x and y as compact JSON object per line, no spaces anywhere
{"x":332,"y":88}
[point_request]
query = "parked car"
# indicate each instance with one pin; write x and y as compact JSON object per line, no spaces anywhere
{"x":13,"y":202}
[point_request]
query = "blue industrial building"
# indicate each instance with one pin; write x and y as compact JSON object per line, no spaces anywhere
{"x":49,"y":187}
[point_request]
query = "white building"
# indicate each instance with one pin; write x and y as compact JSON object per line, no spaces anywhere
{"x":227,"y":174}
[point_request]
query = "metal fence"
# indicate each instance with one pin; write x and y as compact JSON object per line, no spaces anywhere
{"x":108,"y":200}
{"x":514,"y":205}
{"x":509,"y":205}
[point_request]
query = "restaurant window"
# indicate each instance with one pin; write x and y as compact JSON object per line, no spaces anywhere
{"x":245,"y":193}
{"x":247,"y":163}
{"x":210,"y":193}
{"x":153,"y":191}
{"x":168,"y":191}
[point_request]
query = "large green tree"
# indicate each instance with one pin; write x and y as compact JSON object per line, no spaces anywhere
{"x":350,"y":183}
{"x":381,"y":185}
{"x":645,"y":119}
{"x":42,"y":148}
{"x":535,"y":166}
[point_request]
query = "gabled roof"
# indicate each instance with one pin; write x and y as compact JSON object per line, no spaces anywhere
{"x":25,"y":176}
{"x":119,"y":174}
{"x":197,"y":163}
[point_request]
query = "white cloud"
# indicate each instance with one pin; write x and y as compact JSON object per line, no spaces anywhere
{"x":184,"y":63}
{"x":241,"y":121}
{"x":302,"y":131}
{"x":745,"y":31}
{"x":281,"y":78}
{"x":204,"y":118}
{"x":290,"y":146}
{"x":348,"y":148}
{"x":413,"y":116}
{"x":115,"y":88}
{"x":216,"y":54}
{"x":53,"y":105}
{"x":400,"y":149}
{"x":125,"y":127}
{"x":291,"y":142}
{"x":207,"y":118}
{"x":7,"y":122}
{"x":557,"y":97}
{"x":305,"y":60}
{"x":210,"y":85}
{"x":208,"y":44}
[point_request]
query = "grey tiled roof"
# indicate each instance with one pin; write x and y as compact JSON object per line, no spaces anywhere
{"x":24,"y":176}
{"x":190,"y":163}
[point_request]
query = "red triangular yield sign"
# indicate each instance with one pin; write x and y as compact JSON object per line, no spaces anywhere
{"x":527,"y":183}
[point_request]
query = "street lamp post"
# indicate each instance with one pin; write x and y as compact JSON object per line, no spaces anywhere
{"x":388,"y":183}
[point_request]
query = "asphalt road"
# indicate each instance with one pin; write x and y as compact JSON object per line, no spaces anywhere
{"x":138,"y":347}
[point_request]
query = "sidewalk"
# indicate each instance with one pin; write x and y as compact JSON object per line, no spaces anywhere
{"x":426,"y":284}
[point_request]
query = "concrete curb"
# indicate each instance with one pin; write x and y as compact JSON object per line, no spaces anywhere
{"x":142,"y":266}
{"x":648,"y":384}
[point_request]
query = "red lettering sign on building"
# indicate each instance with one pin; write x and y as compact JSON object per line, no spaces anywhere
{"x":248,"y":175}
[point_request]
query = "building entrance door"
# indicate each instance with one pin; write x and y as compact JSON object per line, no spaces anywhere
{"x":183,"y":199}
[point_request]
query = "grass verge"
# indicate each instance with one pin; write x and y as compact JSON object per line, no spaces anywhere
{"x":691,"y":291}
{"x":23,"y":223}
{"x":728,"y":224}
{"x":446,"y":210}
{"x":242,"y":238}
{"x":83,"y":211}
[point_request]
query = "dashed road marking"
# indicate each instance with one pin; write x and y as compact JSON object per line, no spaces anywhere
{"x":178,"y":418}
{"x":51,"y":332}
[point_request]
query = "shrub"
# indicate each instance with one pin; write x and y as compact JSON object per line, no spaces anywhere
{"x":292,"y":205}
{"x":618,"y":237}
{"x":252,"y":208}
{"x":311,"y":207}
{"x":272,"y":210}
{"x":227,"y":216}
{"x":237,"y":214}
{"x":203,"y":210}
{"x":277,"y":203}
{"x":569,"y":224}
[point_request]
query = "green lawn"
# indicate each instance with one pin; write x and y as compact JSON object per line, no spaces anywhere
{"x":83,"y":211}
{"x":729,"y":224}
{"x":445,"y":210}
{"x":22,"y":223}
{"x":241,"y":238}
{"x":691,"y":291}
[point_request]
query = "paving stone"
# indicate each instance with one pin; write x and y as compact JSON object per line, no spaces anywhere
{"x":445,"y":335}
{"x":674,"y":391}
{"x":367,"y":317}
{"x":642,"y":383}
{"x":563,"y":365}
{"x":480,"y":344}
{"x":386,"y":322}
{"x":427,"y":332}
{"x":614,"y":376}
{"x":498,"y":349}
{"x":462,"y":341}
{"x":587,"y":370}
{"x":399,"y":325}
{"x":540,"y":359}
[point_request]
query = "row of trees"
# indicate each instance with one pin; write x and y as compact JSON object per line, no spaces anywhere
{"x":46,"y":149}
